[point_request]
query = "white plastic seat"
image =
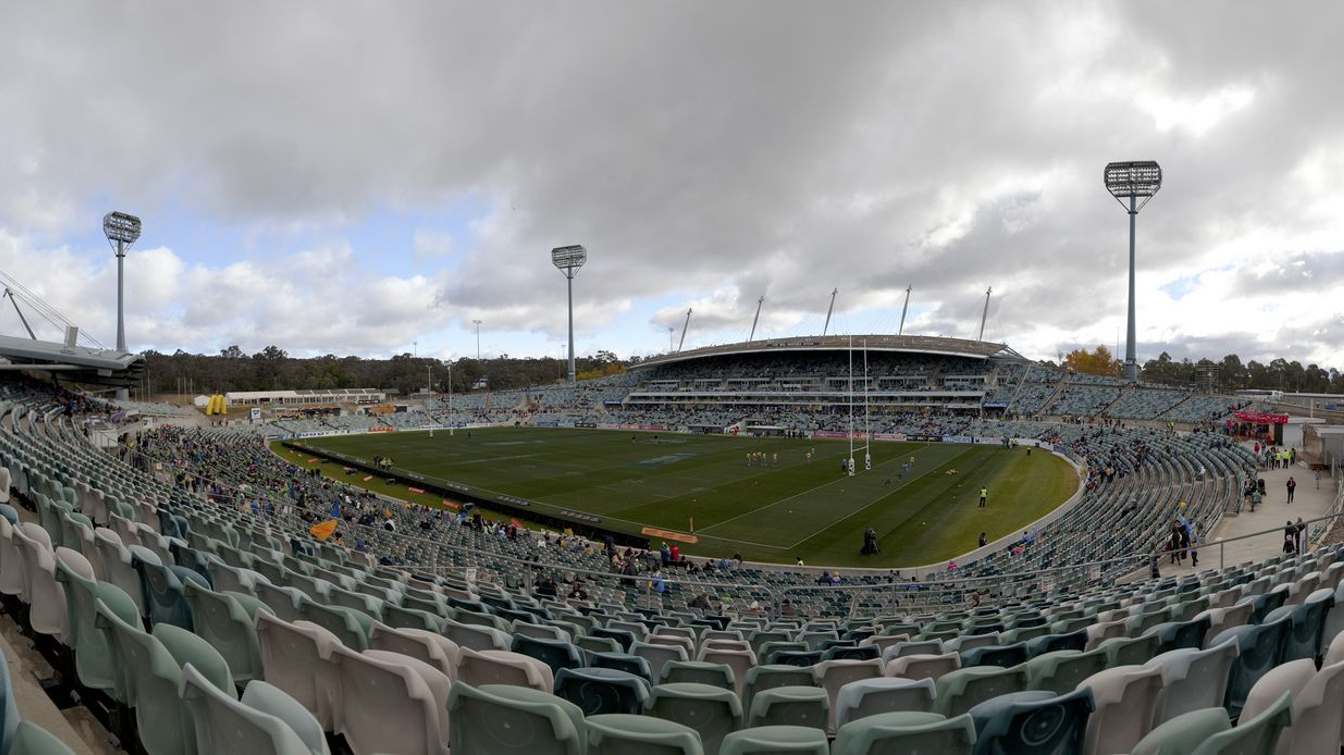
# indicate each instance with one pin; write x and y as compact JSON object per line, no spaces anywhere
{"x":658,"y":655}
{"x":1193,"y":679}
{"x":391,"y":703}
{"x":672,"y":639}
{"x":1101,"y":631}
{"x":1125,"y":700}
{"x":435,"y":649}
{"x":503,"y":667}
{"x":740,"y":661}
{"x":12,"y":578}
{"x":46,"y":597}
{"x":833,"y":675}
{"x":1318,"y":714}
{"x":296,"y":657}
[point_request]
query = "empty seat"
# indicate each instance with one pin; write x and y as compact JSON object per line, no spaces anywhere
{"x":905,"y":732}
{"x":869,"y":697}
{"x":390,"y":703}
{"x":699,"y":672}
{"x":1194,"y":679}
{"x":1208,"y":732}
{"x":556,"y":653}
{"x":295,"y":657}
{"x":832,"y":675}
{"x":1062,"y":671}
{"x":620,"y":734}
{"x":227,"y":621}
{"x":1037,"y":722}
{"x":422,"y":644}
{"x":223,"y":725}
{"x":503,"y":667}
{"x":657,"y":655}
{"x":504,"y":720}
{"x":601,"y":690}
{"x":775,"y":740}
{"x":1259,"y":648}
{"x":923,"y":666}
{"x":959,"y":691}
{"x":631,"y":664}
{"x":1125,"y":700}
{"x":712,"y":711}
{"x":790,"y":705}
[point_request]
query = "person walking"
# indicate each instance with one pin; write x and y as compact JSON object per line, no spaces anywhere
{"x":984,"y":497}
{"x":1292,"y":485}
{"x":1300,"y":535}
{"x":983,"y":539}
{"x":1289,"y":538}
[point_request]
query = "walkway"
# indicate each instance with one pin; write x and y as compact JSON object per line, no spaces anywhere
{"x":1274,"y":511}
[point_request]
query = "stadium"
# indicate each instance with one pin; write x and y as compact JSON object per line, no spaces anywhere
{"x":857,"y":533}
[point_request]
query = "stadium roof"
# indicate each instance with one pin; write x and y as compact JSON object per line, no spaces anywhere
{"x":78,"y":363}
{"x":956,"y":347}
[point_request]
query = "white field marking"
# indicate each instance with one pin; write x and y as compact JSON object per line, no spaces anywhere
{"x":845,"y":478}
{"x":869,"y":504}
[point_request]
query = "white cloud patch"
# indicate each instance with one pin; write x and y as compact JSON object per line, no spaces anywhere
{"x":706,"y":153}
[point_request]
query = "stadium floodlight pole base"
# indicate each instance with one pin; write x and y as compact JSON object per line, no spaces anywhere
{"x":851,"y":466}
{"x":867,"y":462}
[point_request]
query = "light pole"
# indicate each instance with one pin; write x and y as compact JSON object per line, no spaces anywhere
{"x":478,"y":339}
{"x":450,"y":398}
{"x":429,"y":389}
{"x":1132,"y":181}
{"x":121,"y":229}
{"x":568,"y":260}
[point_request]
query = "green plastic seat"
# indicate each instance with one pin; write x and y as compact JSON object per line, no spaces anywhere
{"x":94,"y":663}
{"x":1260,"y":734}
{"x":623,"y":734}
{"x":222,"y":620}
{"x":795,"y":705}
{"x":775,"y":740}
{"x":224,"y":725}
{"x":1129,"y":651}
{"x":710,"y":710}
{"x":153,"y":664}
{"x":504,"y":719}
{"x":350,"y":626}
{"x":698,"y":672}
{"x":959,"y":691}
{"x":479,"y":637}
{"x":1184,"y":733}
{"x":761,"y":678}
{"x":31,"y":739}
{"x":906,"y":732}
{"x":1062,"y":671}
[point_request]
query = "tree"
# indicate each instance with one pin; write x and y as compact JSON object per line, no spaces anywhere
{"x":233,"y":352}
{"x":1097,"y":362}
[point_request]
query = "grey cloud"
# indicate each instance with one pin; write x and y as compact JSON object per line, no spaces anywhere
{"x":782,"y":148}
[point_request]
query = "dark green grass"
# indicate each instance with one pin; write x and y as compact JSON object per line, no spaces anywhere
{"x":780,"y":512}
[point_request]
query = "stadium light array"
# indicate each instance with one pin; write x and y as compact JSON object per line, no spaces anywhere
{"x":121,"y":229}
{"x":1132,"y":181}
{"x":568,"y":260}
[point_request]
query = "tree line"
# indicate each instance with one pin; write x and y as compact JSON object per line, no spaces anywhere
{"x":273,"y":368}
{"x":1226,"y":375}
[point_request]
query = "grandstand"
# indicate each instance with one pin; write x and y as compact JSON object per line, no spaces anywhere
{"x":418,"y":631}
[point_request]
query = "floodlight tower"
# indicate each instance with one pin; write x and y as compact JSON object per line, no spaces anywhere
{"x":478,"y":339}
{"x":1132,"y":181}
{"x":568,"y":260}
{"x":121,"y":230}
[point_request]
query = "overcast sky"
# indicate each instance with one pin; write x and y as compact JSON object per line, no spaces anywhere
{"x":359,"y":177}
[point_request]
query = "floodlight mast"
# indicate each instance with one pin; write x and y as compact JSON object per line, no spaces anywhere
{"x":122,"y":230}
{"x":1133,"y":181}
{"x":568,"y":260}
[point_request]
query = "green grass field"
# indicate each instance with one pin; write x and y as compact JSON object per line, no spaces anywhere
{"x":779,"y":512}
